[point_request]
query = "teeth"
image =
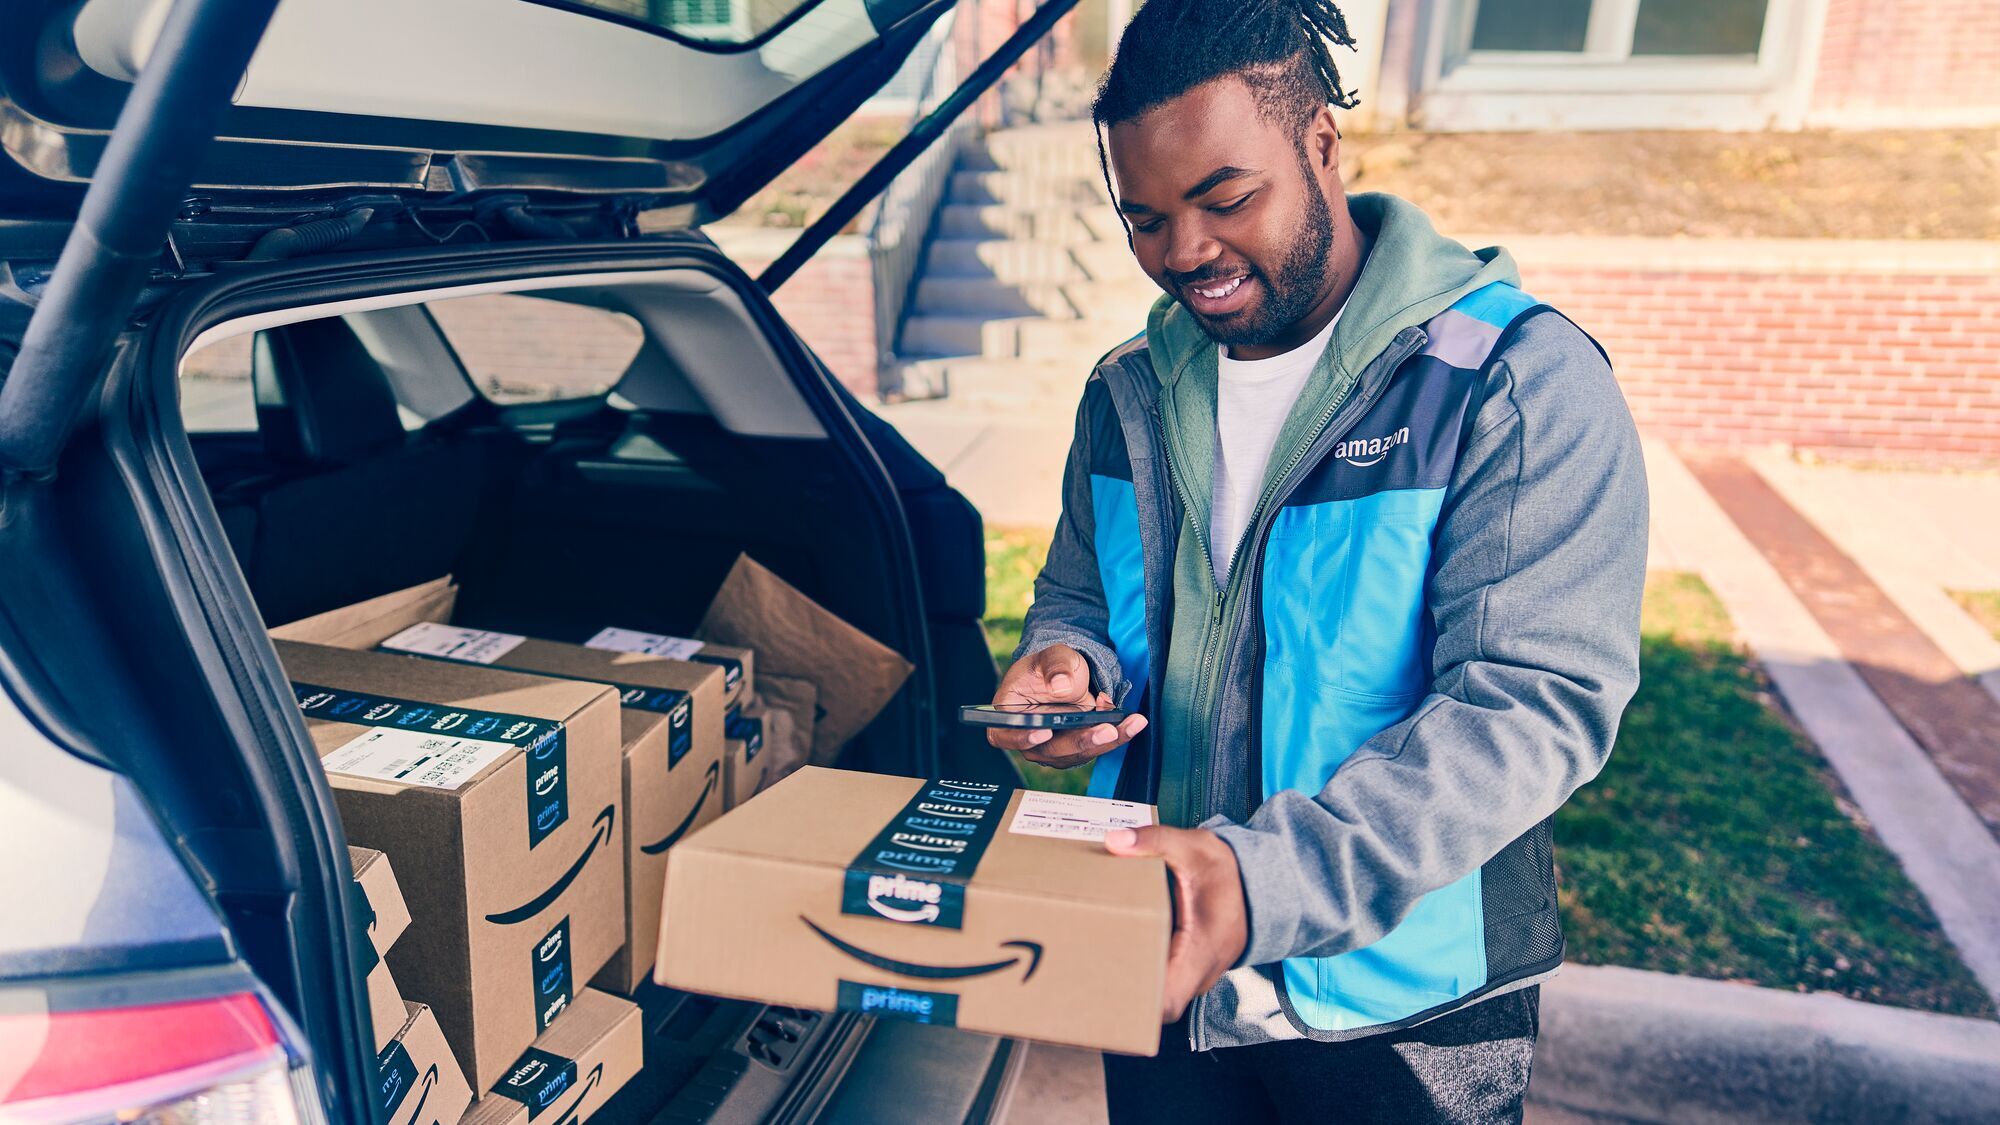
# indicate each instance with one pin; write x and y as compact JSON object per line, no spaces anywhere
{"x":1222,"y":291}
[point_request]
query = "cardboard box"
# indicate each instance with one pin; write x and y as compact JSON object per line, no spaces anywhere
{"x":739,"y":665}
{"x":587,"y":1055}
{"x":385,"y":899}
{"x":418,"y":1082}
{"x":671,"y":725}
{"x":743,"y":758}
{"x":365,"y":623}
{"x":943,"y":902}
{"x":496,"y":795}
{"x":387,"y":918}
{"x":385,"y":1005}
{"x":855,"y":675}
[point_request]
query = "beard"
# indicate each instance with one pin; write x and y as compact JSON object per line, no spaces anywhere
{"x":1290,"y":295}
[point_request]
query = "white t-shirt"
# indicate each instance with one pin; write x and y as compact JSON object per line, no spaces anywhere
{"x":1253,"y":398}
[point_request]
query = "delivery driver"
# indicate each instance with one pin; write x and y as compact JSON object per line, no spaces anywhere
{"x":1361,"y":527}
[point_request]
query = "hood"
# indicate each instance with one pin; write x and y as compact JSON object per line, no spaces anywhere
{"x":1412,"y":274}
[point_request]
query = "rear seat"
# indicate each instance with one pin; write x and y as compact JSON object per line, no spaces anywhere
{"x":348,"y":504}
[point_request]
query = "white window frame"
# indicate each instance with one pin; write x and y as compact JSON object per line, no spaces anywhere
{"x":1605,"y":86}
{"x":735,"y":29}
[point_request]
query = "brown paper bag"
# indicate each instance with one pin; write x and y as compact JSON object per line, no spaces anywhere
{"x":854,"y":675}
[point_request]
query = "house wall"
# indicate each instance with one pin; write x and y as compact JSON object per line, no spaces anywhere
{"x":1908,"y":62}
{"x":1877,"y":351}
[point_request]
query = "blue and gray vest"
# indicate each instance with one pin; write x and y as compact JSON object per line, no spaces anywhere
{"x":1341,"y":650}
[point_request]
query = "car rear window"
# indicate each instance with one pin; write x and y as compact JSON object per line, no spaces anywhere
{"x":533,"y":349}
{"x":706,"y":21}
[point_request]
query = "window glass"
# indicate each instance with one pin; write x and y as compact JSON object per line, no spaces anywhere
{"x":1531,"y":25}
{"x":215,"y":388}
{"x":531,"y":349}
{"x":1698,"y":27}
{"x":719,"y":21}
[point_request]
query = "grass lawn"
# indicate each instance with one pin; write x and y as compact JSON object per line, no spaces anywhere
{"x":1983,"y":605}
{"x":1716,"y":843}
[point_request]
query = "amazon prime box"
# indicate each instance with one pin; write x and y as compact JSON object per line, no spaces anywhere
{"x":739,"y":665}
{"x":743,"y":757}
{"x":387,"y":917}
{"x":416,"y":1078}
{"x":587,"y":1055}
{"x":671,"y":728}
{"x":496,"y":796}
{"x":943,"y":902}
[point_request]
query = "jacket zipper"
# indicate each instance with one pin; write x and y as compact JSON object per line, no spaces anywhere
{"x":1199,"y":782}
{"x":1256,"y":536}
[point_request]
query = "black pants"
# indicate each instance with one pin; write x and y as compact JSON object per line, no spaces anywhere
{"x":1470,"y":1066}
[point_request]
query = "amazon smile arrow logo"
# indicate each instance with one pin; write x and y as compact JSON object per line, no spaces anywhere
{"x":920,"y":971}
{"x":668,"y":841}
{"x":569,"y":1116}
{"x":424,"y":1093}
{"x":542,"y":901}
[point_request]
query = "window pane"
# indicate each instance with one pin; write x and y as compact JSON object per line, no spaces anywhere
{"x":531,"y":349}
{"x":718,"y":21}
{"x":1698,"y":27}
{"x":1531,"y":25}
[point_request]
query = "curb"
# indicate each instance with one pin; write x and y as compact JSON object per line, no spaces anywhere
{"x":1644,"y":1046}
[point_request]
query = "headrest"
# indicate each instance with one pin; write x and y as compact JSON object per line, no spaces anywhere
{"x":322,"y":400}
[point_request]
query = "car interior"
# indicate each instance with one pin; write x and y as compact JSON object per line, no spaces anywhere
{"x":592,"y":454}
{"x":354,"y":453}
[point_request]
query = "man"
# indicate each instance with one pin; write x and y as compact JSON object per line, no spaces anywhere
{"x":1361,"y":528}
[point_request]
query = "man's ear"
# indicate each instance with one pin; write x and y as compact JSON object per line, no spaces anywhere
{"x":1323,"y":145}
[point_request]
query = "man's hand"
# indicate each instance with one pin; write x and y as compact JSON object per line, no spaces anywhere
{"x":1058,"y":674}
{"x":1211,"y":920}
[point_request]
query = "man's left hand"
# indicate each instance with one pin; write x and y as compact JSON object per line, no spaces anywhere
{"x":1211,"y":920}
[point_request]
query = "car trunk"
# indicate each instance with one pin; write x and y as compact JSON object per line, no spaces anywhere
{"x":391,"y":453}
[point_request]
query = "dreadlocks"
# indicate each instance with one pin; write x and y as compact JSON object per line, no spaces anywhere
{"x":1281,"y":49}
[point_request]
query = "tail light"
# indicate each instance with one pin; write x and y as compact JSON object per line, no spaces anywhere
{"x":194,"y":1062}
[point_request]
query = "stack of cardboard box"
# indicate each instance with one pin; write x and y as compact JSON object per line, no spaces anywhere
{"x":529,"y":794}
{"x":413,"y":1060}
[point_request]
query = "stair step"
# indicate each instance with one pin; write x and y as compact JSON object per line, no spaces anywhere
{"x":1023,"y":189}
{"x":1129,"y":299}
{"x":947,"y":334}
{"x":985,"y":296}
{"x":1013,"y":261}
{"x":974,"y":220}
{"x":1014,"y":387}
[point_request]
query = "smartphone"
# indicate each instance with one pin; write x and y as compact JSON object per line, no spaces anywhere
{"x":1041,"y":716}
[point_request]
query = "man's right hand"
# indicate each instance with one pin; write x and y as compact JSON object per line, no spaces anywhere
{"x":1058,"y":674}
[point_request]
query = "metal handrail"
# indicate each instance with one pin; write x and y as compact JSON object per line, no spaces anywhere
{"x":900,"y":228}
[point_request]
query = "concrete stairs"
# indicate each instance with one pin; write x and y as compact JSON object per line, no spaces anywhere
{"x":1026,"y":282}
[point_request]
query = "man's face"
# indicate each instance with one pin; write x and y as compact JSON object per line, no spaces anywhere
{"x":1229,"y":214}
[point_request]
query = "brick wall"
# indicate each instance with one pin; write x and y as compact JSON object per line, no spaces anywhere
{"x":1883,"y":58}
{"x":830,"y":303}
{"x":1818,"y":346}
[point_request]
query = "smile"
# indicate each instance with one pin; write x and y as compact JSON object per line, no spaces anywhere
{"x":1218,"y":292}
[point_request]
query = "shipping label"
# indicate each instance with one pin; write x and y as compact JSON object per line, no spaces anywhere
{"x":1069,"y":816}
{"x":450,"y":642}
{"x":444,"y":747}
